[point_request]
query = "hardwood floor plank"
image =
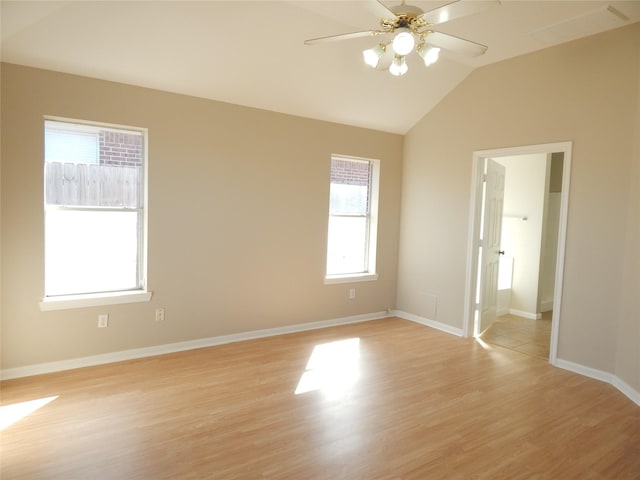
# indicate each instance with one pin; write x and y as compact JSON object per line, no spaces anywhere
{"x":412,"y":403}
{"x":521,"y":334}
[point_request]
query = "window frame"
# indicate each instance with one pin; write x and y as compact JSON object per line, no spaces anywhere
{"x":138,"y":294}
{"x":371,"y":240}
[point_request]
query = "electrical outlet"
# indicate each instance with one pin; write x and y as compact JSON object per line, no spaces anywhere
{"x":352,"y":293}
{"x":103,"y":320}
{"x":159,"y":314}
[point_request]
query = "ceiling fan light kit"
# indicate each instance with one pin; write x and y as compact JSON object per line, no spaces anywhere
{"x":412,"y":26}
{"x":398,"y":66}
{"x":373,"y":55}
{"x":428,"y":53}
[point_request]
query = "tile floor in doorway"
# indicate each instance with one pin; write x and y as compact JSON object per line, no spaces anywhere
{"x":521,"y":334}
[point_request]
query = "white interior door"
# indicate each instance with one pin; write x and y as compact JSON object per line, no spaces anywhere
{"x":491,"y":233}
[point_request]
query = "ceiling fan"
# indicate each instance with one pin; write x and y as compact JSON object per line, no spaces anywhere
{"x":406,"y":28}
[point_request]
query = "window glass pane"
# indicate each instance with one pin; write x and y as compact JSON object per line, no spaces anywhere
{"x":350,"y":181}
{"x":89,"y":165}
{"x":89,"y":251}
{"x":347,"y":245}
{"x":69,"y":146}
{"x":81,"y":184}
{"x":348,"y":199}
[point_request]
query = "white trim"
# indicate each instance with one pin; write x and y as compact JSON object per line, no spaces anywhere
{"x":372,"y":224}
{"x":562,"y":241}
{"x":93,"y":300}
{"x":474,"y":225}
{"x":428,"y":323}
{"x":89,"y":124}
{"x":350,"y":278}
{"x":523,"y":314}
{"x":606,"y":377}
{"x":477,"y":175}
{"x":50,"y":367}
{"x":584,"y":371}
{"x":627,"y":390}
{"x":98,"y":299}
{"x":123,"y":355}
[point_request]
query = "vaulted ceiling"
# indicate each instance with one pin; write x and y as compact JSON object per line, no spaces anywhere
{"x":253,"y":53}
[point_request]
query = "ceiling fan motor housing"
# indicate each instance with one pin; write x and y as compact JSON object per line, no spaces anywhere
{"x":407,"y":16}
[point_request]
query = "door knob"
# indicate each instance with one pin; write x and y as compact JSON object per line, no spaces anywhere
{"x":500,"y":252}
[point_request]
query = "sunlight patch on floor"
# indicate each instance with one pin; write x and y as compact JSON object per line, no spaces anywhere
{"x":483,"y":344}
{"x":333,"y":368}
{"x":10,"y":414}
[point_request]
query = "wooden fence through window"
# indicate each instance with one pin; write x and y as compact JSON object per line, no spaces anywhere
{"x":82,"y":184}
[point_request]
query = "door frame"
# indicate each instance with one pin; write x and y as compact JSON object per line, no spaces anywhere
{"x":473,"y":240}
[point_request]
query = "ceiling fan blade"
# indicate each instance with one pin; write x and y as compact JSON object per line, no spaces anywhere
{"x":457,"y":9}
{"x":455,"y":44}
{"x":380,"y":9}
{"x":342,"y":36}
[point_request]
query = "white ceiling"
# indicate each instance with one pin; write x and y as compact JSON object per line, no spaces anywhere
{"x":252,"y":53}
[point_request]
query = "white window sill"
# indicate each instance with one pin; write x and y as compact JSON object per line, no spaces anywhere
{"x":93,"y":300}
{"x":350,"y":278}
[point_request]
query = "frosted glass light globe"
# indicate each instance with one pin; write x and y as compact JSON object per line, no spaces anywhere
{"x":399,"y":66}
{"x":429,"y":54}
{"x":373,"y":55}
{"x":403,"y":42}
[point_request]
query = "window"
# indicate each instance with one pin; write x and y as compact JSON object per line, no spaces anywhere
{"x":353,"y":208}
{"x":94,"y":185}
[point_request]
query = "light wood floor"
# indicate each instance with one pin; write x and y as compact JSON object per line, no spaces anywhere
{"x":414,"y":403}
{"x":521,"y":334}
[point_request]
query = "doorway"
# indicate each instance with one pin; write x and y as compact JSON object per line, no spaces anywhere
{"x":478,"y":288}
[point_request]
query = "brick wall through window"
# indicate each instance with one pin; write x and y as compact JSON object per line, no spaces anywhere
{"x":119,"y":148}
{"x":350,"y":172}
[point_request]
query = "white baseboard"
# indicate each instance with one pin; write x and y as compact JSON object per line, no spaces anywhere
{"x":522,"y":313}
{"x":429,"y":323}
{"x":123,"y":355}
{"x":626,"y":389}
{"x":585,"y":371}
{"x":610,"y":378}
{"x":607,"y":377}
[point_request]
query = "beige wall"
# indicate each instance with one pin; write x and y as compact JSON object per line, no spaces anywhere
{"x":238,"y":202}
{"x":628,"y":345}
{"x":586,"y":92}
{"x":0,"y":217}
